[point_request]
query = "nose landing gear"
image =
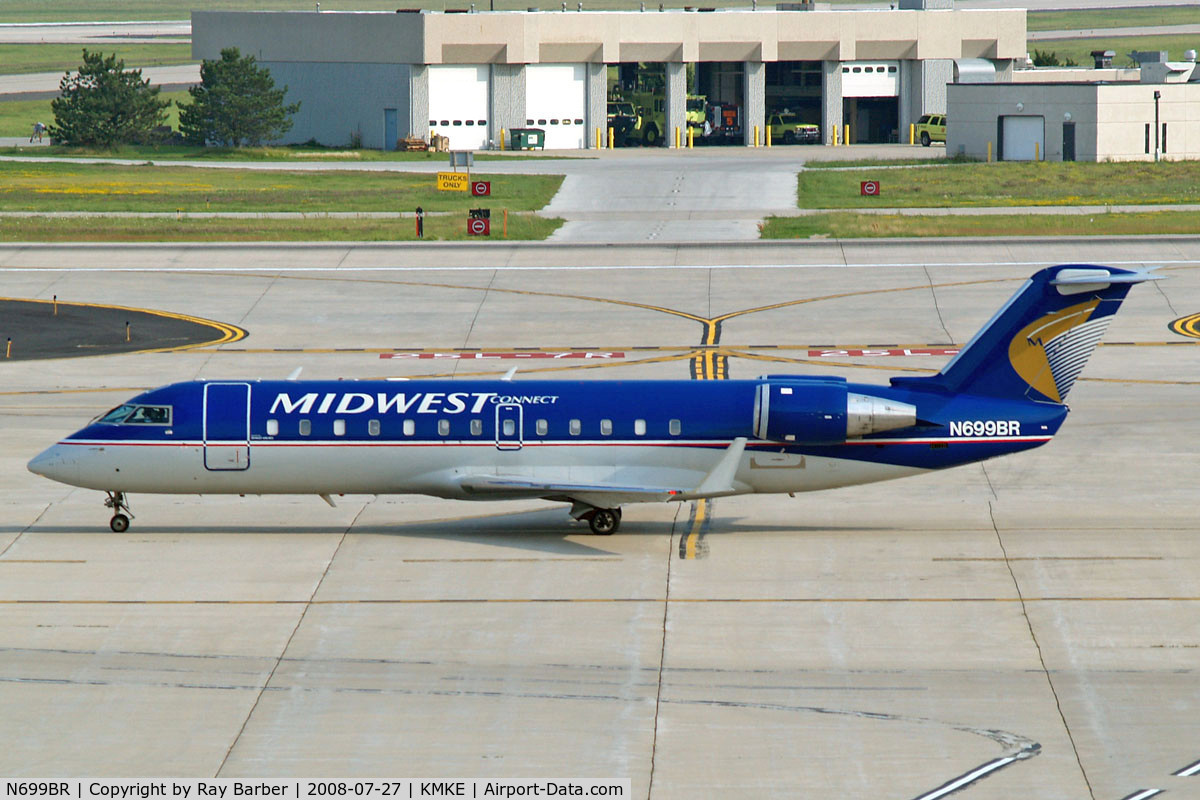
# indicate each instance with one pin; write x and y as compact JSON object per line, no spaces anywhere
{"x":117,"y":502}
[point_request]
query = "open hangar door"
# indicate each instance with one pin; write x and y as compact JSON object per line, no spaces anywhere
{"x":721,"y":90}
{"x":556,"y":102}
{"x":795,"y":87}
{"x":871,"y":100}
{"x":1022,"y":138}
{"x":458,"y":104}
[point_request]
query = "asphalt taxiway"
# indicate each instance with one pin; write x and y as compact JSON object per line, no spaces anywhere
{"x":1022,"y":628}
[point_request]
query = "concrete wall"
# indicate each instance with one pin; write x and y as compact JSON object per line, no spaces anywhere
{"x":1110,"y":119}
{"x":597,"y":103}
{"x":755,"y":110}
{"x":337,"y":100}
{"x":610,"y":36}
{"x":508,"y":100}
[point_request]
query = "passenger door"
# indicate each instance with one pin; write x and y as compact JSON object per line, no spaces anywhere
{"x":508,"y":427}
{"x":227,"y":426}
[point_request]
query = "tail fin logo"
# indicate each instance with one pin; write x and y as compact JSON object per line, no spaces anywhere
{"x":1050,"y":352}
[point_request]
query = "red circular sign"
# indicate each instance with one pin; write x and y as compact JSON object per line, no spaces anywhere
{"x":481,"y":188}
{"x":477,"y":227}
{"x":870,"y":188}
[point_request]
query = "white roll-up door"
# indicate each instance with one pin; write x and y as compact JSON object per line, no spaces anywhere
{"x":1024,"y":138}
{"x":870,"y":78}
{"x":458,"y":105}
{"x":555,"y":101}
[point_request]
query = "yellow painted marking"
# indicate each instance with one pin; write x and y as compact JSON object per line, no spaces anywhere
{"x":1059,"y":558}
{"x":229,"y":333}
{"x":41,"y":561}
{"x":1187,"y":326}
{"x":694,"y":533}
{"x":589,"y":559}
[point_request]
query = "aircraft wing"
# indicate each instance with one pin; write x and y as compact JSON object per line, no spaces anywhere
{"x":601,"y":495}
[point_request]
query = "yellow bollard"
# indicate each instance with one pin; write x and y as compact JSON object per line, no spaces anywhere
{"x":127,"y":331}
{"x":756,"y":136}
{"x":833,"y":137}
{"x":1037,"y":151}
{"x":8,"y":348}
{"x":767,"y":128}
{"x":506,"y":223}
{"x":846,"y":138}
{"x":989,"y":153}
{"x":912,"y":133}
{"x":502,"y":139}
{"x":677,"y":139}
{"x":691,"y":137}
{"x":56,"y":305}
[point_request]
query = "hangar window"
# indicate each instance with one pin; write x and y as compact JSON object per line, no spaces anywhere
{"x":867,"y":69}
{"x":891,"y":69}
{"x":471,"y":122}
{"x":458,"y":123}
{"x":373,"y":427}
{"x":305,"y":427}
{"x":675,"y":427}
{"x":542,"y":427}
{"x":433,"y":123}
{"x":482,"y":122}
{"x":845,"y":69}
{"x":445,"y":122}
{"x":579,"y":122}
{"x":443,"y":427}
{"x":553,"y":122}
{"x":339,"y":427}
{"x":606,"y":427}
{"x":856,"y":70}
{"x":528,"y":122}
{"x":541,"y":122}
{"x":410,"y":427}
{"x":575,"y":427}
{"x":272,"y":427}
{"x":476,"y":427}
{"x":639,"y":427}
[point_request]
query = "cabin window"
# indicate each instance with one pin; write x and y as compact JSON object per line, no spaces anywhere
{"x":373,"y":427}
{"x":476,"y":427}
{"x":339,"y":427}
{"x":443,"y":427}
{"x":510,"y":427}
{"x":543,"y":427}
{"x":675,"y":427}
{"x":639,"y":427}
{"x":575,"y":427}
{"x":410,"y":427}
{"x":119,"y":413}
{"x":272,"y":427}
{"x":606,"y":427}
{"x":305,"y":427}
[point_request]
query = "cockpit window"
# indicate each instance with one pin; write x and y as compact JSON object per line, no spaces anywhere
{"x":117,"y":415}
{"x":138,"y":415}
{"x":150,"y":415}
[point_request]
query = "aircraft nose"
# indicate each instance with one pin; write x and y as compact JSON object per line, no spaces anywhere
{"x":55,"y":464}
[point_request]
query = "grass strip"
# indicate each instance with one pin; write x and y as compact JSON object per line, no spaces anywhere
{"x":106,"y":187}
{"x":17,"y":118}
{"x":51,"y":57}
{"x":1046,"y":183}
{"x":1111,"y":18}
{"x":523,"y":226}
{"x":849,"y":225}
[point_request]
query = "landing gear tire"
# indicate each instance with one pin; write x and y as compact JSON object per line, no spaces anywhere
{"x":605,"y":521}
{"x":120,"y":520}
{"x":925,"y":140}
{"x":789,"y":137}
{"x":650,"y":136}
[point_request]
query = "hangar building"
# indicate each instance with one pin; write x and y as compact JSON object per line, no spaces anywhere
{"x":381,"y":76}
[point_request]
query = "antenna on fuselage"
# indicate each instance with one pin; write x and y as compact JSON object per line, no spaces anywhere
{"x":508,"y":376}
{"x":295,"y":374}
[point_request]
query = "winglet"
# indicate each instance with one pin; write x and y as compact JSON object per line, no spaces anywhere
{"x":295,"y":374}
{"x":508,"y":376}
{"x":719,"y":481}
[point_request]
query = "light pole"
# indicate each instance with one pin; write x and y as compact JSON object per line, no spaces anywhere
{"x":1157,"y":128}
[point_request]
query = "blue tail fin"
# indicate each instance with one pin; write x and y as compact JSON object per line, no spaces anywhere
{"x":1036,"y":345}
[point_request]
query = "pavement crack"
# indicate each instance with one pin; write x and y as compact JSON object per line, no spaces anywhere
{"x":475,"y":318}
{"x":1037,"y":645}
{"x":283,"y":652}
{"x":1158,"y":286}
{"x":933,"y":293}
{"x":662,"y":653}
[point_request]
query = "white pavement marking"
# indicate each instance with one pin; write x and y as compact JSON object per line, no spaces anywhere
{"x":1142,"y":794}
{"x":1188,"y":771}
{"x":970,"y":777}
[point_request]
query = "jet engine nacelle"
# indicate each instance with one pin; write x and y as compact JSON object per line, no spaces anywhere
{"x":823,"y":411}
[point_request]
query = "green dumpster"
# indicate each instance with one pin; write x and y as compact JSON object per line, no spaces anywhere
{"x":528,"y":138}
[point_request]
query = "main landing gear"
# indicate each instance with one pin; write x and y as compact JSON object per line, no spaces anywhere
{"x":603,"y":521}
{"x":117,"y":502}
